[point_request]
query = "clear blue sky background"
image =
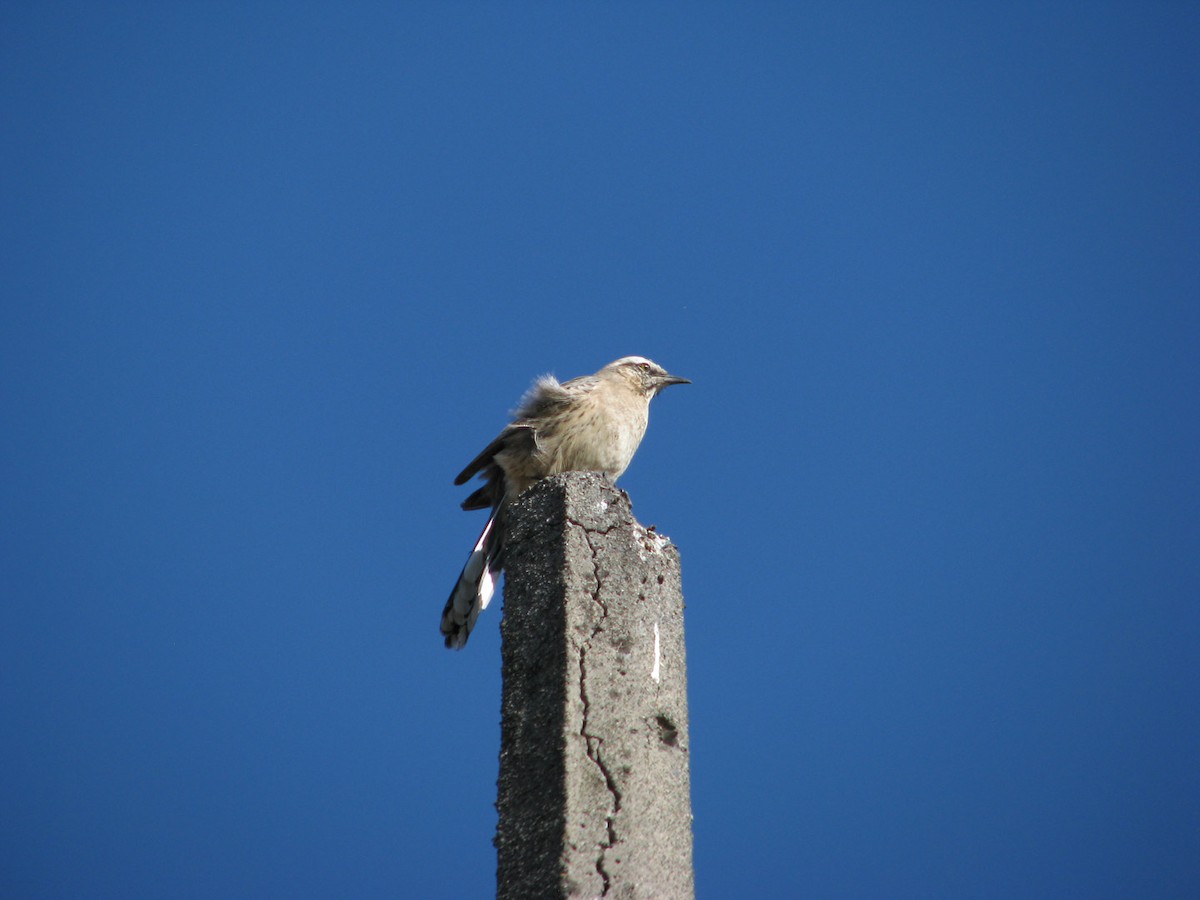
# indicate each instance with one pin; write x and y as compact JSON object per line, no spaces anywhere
{"x":271,"y":275}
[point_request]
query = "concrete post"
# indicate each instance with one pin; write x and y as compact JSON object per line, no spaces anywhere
{"x":593,"y":792}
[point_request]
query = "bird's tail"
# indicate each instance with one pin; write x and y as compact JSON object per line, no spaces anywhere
{"x":475,"y":586}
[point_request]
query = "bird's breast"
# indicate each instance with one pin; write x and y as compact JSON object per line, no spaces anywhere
{"x":595,"y":437}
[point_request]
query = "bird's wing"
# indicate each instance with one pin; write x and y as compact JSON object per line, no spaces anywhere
{"x":518,"y":438}
{"x":485,"y":456}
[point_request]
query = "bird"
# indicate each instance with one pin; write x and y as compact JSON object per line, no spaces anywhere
{"x":593,"y":423}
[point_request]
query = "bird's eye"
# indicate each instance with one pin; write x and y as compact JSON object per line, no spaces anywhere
{"x":645,"y":367}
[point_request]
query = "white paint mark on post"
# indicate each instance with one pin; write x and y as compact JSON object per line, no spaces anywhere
{"x":654,"y":671}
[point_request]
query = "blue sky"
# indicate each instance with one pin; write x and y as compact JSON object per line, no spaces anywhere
{"x":272,"y":275}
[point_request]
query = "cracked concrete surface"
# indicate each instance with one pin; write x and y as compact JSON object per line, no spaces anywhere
{"x":593,"y":790}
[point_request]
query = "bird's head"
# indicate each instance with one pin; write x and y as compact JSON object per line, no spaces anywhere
{"x":644,"y":375}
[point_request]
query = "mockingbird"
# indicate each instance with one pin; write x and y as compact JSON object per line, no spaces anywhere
{"x":593,"y":423}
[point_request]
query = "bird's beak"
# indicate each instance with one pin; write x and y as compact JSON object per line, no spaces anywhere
{"x":668,"y":380}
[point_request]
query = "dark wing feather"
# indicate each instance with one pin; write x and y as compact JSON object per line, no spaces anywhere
{"x":492,"y":492}
{"x":485,"y":456}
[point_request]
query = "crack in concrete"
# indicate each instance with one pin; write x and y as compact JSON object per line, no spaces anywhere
{"x":592,"y":742}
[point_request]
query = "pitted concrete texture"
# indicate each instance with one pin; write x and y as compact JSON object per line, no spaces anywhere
{"x":594,"y":792}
